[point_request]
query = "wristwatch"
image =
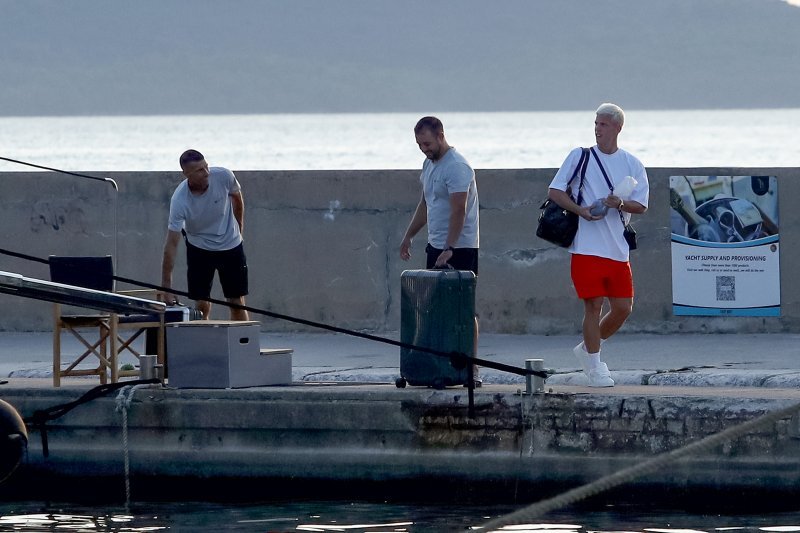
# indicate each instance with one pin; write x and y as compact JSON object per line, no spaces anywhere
{"x":621,"y":203}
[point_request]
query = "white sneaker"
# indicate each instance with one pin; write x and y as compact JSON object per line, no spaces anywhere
{"x":599,"y":376}
{"x":582,"y":357}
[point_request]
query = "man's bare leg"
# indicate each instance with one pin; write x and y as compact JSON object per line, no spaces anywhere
{"x":238,"y":314}
{"x":619,"y":312}
{"x":204,"y":307}
{"x":592,"y":307}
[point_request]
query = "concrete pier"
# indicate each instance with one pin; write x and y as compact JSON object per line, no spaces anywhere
{"x":344,"y":426}
{"x":367,"y":434}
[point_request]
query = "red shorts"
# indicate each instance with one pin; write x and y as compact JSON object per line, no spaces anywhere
{"x":594,"y":277}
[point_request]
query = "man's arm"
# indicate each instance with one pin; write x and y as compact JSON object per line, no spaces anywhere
{"x":633,"y":207}
{"x":167,"y":265}
{"x":458,"y":214}
{"x":629,"y":206}
{"x":418,"y":222}
{"x":563,"y":200}
{"x":237,"y":203}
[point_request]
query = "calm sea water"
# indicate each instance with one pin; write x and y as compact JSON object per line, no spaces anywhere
{"x":755,"y":138}
{"x":366,"y":518}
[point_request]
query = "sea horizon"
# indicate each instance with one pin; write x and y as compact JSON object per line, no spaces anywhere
{"x":759,"y":137}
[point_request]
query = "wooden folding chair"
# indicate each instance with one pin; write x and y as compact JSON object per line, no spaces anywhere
{"x":91,"y":330}
{"x":106,"y":335}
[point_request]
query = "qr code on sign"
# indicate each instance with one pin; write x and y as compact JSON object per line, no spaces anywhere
{"x":726,"y":288}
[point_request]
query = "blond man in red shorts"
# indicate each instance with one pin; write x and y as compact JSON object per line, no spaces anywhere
{"x":600,"y":254}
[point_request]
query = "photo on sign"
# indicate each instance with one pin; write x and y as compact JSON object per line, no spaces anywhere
{"x":722,"y":208}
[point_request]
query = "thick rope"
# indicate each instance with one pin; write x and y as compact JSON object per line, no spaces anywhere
{"x":123,"y":402}
{"x":626,"y":475}
{"x":40,"y":417}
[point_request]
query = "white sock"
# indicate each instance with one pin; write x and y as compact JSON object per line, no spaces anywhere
{"x":594,"y":359}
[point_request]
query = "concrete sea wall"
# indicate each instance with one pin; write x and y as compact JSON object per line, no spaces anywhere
{"x":323,"y":246}
{"x":536,"y":444}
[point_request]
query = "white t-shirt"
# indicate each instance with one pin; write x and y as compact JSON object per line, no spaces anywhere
{"x":207,"y":218}
{"x":603,"y":238}
{"x":450,"y":174}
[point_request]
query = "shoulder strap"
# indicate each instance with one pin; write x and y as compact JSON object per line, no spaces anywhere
{"x":603,"y":170}
{"x":580,"y":169}
{"x":608,"y":181}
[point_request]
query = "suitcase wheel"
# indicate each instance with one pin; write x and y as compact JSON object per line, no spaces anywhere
{"x":400,"y":383}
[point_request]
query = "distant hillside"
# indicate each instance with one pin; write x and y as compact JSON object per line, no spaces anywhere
{"x":264,"y":56}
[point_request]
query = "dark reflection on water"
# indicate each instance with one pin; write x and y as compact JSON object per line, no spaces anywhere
{"x":365,"y":517}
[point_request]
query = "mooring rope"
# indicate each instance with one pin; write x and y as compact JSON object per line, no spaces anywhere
{"x":626,"y":475}
{"x":40,"y":417}
{"x":123,"y":402}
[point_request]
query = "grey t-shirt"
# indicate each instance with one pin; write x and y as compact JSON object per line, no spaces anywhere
{"x":450,"y":174}
{"x":207,"y":218}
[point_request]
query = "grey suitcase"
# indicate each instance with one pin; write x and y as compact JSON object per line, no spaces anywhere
{"x":437,"y":311}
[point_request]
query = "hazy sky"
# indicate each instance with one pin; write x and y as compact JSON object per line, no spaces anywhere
{"x":262,"y":56}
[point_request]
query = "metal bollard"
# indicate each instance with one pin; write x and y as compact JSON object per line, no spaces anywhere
{"x":147,"y":366}
{"x":534,"y":384}
{"x":158,"y":373}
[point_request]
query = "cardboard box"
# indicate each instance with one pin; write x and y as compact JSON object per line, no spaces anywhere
{"x":220,"y":354}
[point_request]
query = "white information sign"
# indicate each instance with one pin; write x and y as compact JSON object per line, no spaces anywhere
{"x":725,"y":245}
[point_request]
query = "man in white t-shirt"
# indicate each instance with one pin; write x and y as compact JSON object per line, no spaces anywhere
{"x":600,"y":264}
{"x":208,"y":209}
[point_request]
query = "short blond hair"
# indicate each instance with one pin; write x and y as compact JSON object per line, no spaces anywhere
{"x":612,"y":110}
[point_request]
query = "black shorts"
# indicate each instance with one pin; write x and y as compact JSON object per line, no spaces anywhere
{"x":462,"y":259}
{"x":201,"y":265}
